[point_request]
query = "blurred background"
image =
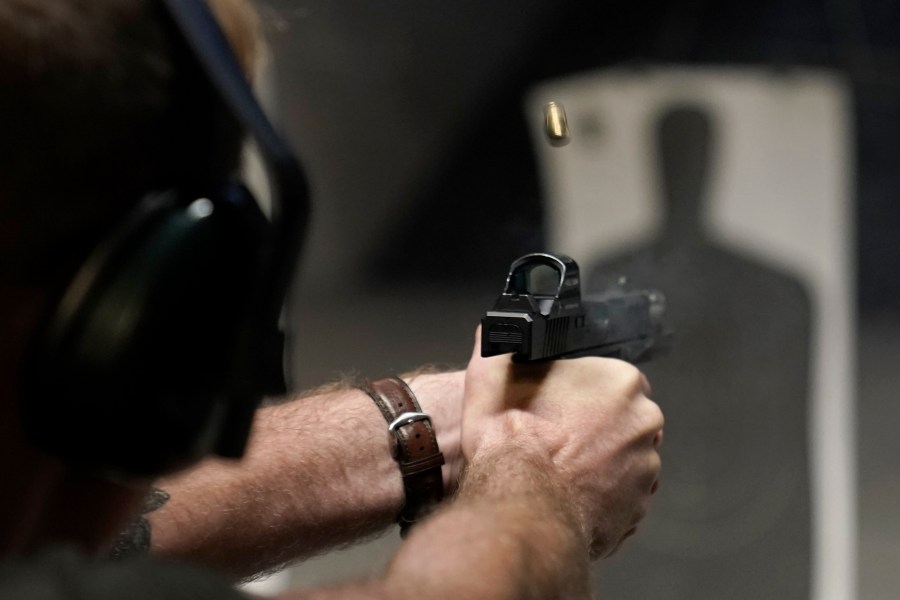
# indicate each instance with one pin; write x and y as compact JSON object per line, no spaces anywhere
{"x":415,"y":122}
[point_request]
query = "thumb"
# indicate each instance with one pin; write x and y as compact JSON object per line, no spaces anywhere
{"x":489,"y":371}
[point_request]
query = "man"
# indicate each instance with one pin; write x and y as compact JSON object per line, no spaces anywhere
{"x":548,"y":466}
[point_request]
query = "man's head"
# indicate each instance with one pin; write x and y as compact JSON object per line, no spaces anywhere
{"x":97,"y":109}
{"x":101,"y":104}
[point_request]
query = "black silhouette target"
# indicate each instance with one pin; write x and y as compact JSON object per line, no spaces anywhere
{"x":732,"y":517}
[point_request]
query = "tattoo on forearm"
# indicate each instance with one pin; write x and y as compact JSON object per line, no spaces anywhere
{"x":135,"y":539}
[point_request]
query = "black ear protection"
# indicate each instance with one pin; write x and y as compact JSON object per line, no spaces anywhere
{"x":160,"y":349}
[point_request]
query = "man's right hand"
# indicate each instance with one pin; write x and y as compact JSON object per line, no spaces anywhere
{"x":561,"y":459}
{"x":589,"y":421}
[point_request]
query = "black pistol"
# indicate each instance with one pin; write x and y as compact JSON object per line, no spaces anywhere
{"x":540,"y":316}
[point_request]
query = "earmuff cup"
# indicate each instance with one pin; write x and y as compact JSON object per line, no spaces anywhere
{"x":142,"y":367}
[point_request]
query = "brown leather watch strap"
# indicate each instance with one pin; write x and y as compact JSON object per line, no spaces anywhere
{"x":413,"y":445}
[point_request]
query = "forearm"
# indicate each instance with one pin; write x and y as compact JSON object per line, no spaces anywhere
{"x":510,"y":533}
{"x":317,"y":474}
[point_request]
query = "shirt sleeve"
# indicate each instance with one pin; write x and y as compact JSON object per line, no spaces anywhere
{"x":63,"y":574}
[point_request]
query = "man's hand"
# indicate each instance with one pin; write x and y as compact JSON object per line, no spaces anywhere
{"x":590,"y":418}
{"x":561,"y":463}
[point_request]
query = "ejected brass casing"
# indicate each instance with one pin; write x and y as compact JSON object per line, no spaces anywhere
{"x":555,"y":124}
